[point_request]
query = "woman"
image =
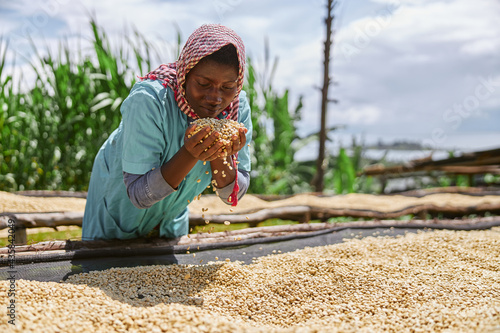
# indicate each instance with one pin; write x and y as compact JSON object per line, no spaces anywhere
{"x":151,"y":167}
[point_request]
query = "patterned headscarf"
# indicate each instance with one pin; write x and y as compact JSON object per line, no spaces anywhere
{"x":203,"y":41}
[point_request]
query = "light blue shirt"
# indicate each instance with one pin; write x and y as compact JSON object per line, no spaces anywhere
{"x":150,"y":133}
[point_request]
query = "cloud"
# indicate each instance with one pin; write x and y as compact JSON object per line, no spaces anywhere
{"x":357,"y":115}
{"x":413,"y":69}
{"x":400,"y":65}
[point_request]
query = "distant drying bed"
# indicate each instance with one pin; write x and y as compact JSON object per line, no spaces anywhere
{"x":211,"y":204}
{"x":14,"y":203}
{"x":440,"y":281}
{"x":382,"y":203}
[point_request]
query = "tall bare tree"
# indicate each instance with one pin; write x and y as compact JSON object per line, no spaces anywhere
{"x":321,"y":162}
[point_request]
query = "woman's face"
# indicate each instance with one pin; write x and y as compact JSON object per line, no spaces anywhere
{"x":210,"y":87}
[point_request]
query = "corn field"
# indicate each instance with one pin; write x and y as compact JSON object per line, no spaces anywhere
{"x":52,"y":128}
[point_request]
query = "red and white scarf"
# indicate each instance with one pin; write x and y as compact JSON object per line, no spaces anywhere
{"x":203,"y":41}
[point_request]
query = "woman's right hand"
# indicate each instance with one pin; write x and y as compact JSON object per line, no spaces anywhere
{"x":203,"y":149}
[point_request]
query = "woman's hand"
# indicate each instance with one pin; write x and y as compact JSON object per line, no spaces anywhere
{"x":201,"y":148}
{"x":237,"y":142}
{"x":226,"y":172}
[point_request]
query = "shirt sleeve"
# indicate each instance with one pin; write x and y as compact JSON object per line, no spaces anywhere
{"x":244,"y":116}
{"x":243,"y":183}
{"x":146,"y":190}
{"x":244,"y":165}
{"x":143,"y":138}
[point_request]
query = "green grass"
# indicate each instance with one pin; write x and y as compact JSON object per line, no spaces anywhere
{"x":73,"y":234}
{"x":342,"y":219}
{"x":272,"y":222}
{"x":216,"y":227}
{"x":76,"y":234}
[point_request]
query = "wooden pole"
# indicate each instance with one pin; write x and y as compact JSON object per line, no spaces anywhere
{"x":320,"y":164}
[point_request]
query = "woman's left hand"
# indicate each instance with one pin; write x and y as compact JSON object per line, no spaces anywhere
{"x":237,"y":142}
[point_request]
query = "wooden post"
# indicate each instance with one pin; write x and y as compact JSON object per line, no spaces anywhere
{"x":17,"y":229}
{"x":320,"y":163}
{"x":21,"y":236}
{"x":253,"y":224}
{"x":471,"y":180}
{"x":306,"y":218}
{"x":383,"y":183}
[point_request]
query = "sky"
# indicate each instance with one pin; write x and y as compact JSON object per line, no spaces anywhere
{"x":424,"y":71}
